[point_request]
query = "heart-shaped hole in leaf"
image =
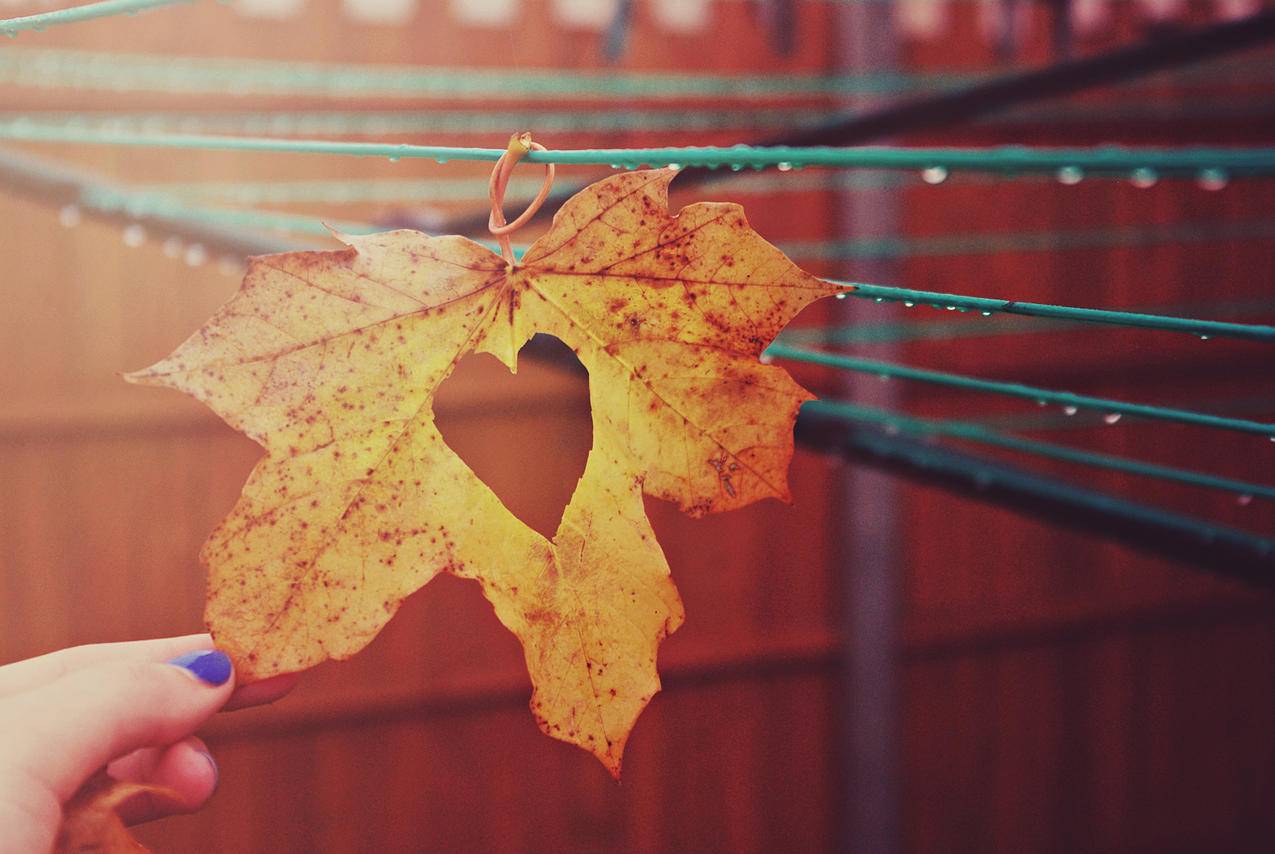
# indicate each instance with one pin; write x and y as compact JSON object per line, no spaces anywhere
{"x":525,"y":435}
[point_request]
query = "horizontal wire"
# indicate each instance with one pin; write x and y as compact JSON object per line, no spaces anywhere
{"x":124,"y":72}
{"x":1058,"y":240}
{"x":741,"y":116}
{"x":1113,"y":408}
{"x":1203,"y":328}
{"x":86,"y":12}
{"x":937,"y":330}
{"x":148,"y":203}
{"x":153,"y":204}
{"x":380,"y":122}
{"x":241,"y":76}
{"x":1068,"y":420}
{"x":1102,"y":160}
{"x":983,"y":435}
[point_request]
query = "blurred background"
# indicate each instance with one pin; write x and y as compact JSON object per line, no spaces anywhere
{"x":906,"y":659}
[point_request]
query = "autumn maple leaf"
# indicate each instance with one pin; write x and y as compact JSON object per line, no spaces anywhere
{"x":330,"y":360}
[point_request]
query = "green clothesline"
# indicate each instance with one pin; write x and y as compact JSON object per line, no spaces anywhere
{"x":1113,"y":409}
{"x":959,"y":302}
{"x":495,"y":122}
{"x":86,"y":12}
{"x":915,"y":330}
{"x":617,"y":119}
{"x":1140,"y":163}
{"x":983,"y":435}
{"x":167,"y":206}
{"x":236,"y":77}
{"x":124,"y":72}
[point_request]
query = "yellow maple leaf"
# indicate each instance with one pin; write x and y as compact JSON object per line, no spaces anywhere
{"x":330,"y":360}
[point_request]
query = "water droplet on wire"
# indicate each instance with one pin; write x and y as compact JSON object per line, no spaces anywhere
{"x":1244,"y":500}
{"x":843,"y":296}
{"x":1204,"y":338}
{"x":1143,"y":178}
{"x":1070,"y":410}
{"x":934,"y":175}
{"x":1212,"y":180}
{"x":1111,"y":418}
{"x":196,"y":255}
{"x":783,"y":166}
{"x":1070,"y":176}
{"x":910,"y":304}
{"x":134,"y":236}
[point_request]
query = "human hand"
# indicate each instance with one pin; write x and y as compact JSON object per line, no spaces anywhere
{"x":130,"y":707}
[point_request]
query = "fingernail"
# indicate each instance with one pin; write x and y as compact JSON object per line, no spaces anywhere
{"x":212,"y":763}
{"x":208,"y":665}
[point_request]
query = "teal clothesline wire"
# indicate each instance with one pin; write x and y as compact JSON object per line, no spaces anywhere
{"x":237,"y":76}
{"x":1076,"y":420}
{"x":742,"y":117}
{"x":960,"y":302}
{"x":1114,"y":409}
{"x":497,"y":122}
{"x":1061,"y":240}
{"x":978,"y":433}
{"x":86,"y":12}
{"x":125,"y":72}
{"x":143,"y":204}
{"x":915,"y":330}
{"x":1146,"y":163}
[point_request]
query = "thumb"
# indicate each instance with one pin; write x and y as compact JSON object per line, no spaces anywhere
{"x":58,"y":735}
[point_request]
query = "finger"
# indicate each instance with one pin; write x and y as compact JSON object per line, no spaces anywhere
{"x":41,"y":670}
{"x":263,"y":692}
{"x":59,"y":734}
{"x":185,"y":770}
{"x":34,"y":672}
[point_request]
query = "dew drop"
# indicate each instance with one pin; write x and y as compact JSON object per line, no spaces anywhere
{"x":783,"y":166}
{"x":877,"y":300}
{"x":1070,"y":410}
{"x":1143,"y":178}
{"x":736,"y":167}
{"x":1212,"y":179}
{"x":950,"y":307}
{"x":1111,"y":418}
{"x":196,"y":255}
{"x":394,"y":158}
{"x":1204,"y":338}
{"x":1041,"y":403}
{"x":172,"y":247}
{"x":885,"y":378}
{"x":843,"y":296}
{"x":675,"y":166}
{"x":934,"y":175}
{"x":985,"y":313}
{"x":134,"y":236}
{"x":70,"y":216}
{"x":1070,"y":175}
{"x":765,"y":358}
{"x":1244,"y":500}
{"x":910,"y":304}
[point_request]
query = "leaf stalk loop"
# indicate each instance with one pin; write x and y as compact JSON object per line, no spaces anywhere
{"x":519,"y":145}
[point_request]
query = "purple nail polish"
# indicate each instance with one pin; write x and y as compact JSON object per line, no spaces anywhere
{"x":208,"y":665}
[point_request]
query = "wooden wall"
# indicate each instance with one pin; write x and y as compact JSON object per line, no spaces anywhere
{"x":1057,"y":693}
